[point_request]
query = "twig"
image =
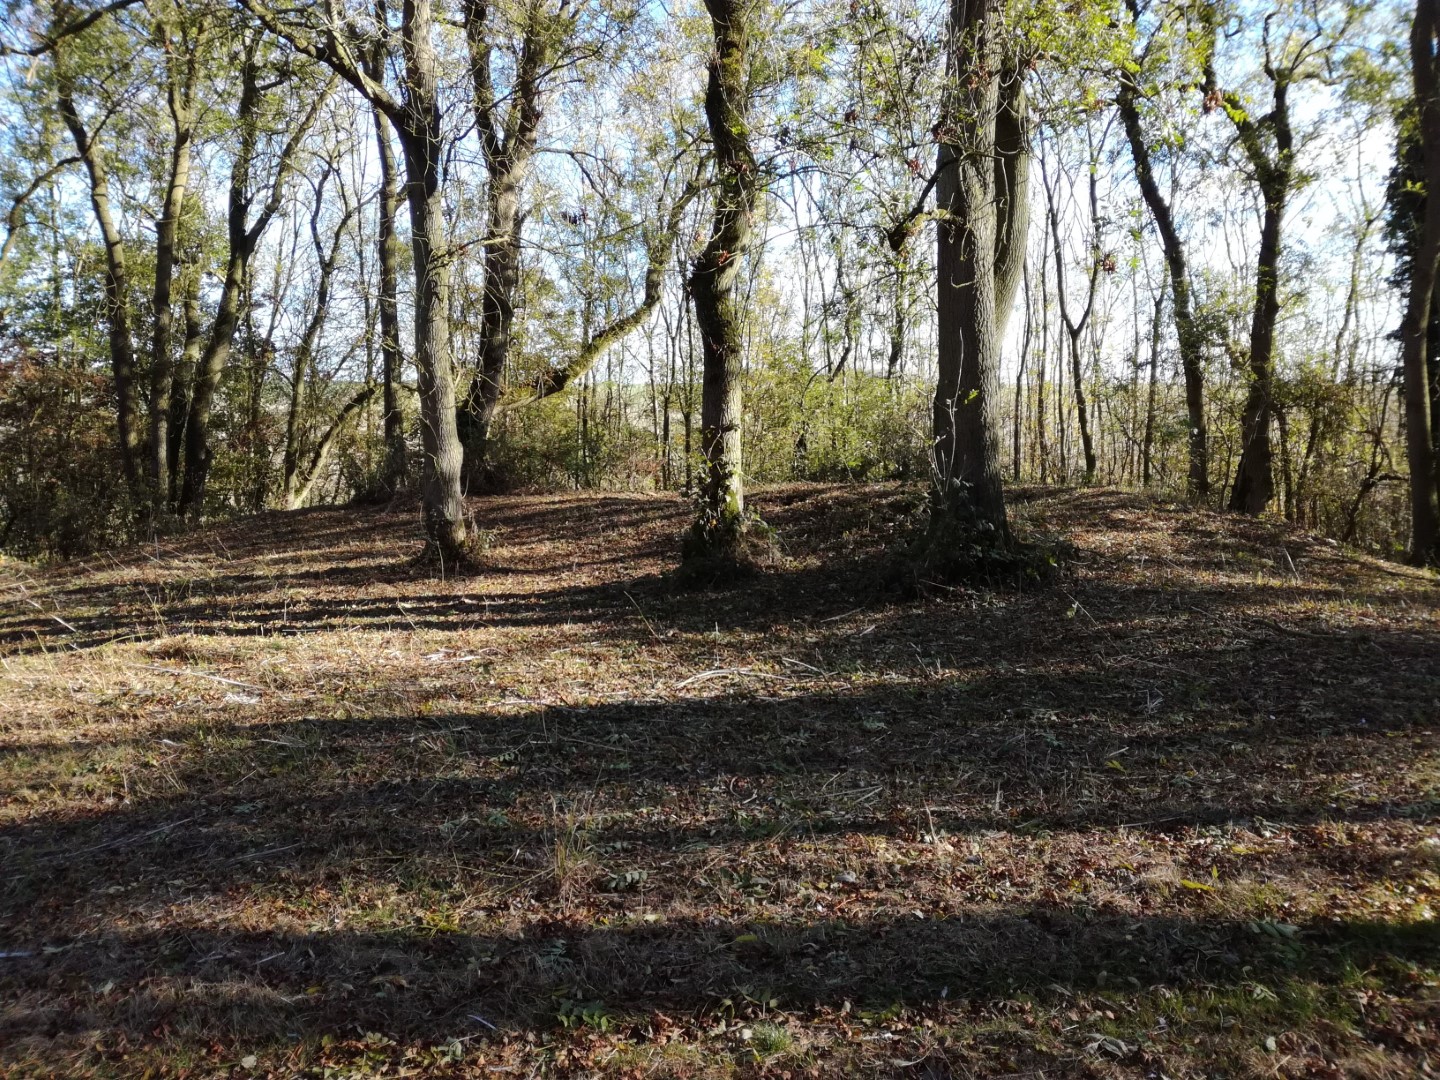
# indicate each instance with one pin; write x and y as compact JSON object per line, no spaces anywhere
{"x":645,"y":620}
{"x":51,"y":615}
{"x":203,"y":675}
{"x":719,"y":672}
{"x":119,"y":843}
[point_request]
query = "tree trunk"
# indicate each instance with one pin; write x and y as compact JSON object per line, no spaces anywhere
{"x":1191,"y":339}
{"x":508,"y":143}
{"x":1147,"y":447}
{"x":1419,"y":448}
{"x":182,"y":387}
{"x":1012,"y":192}
{"x":968,"y":491}
{"x":1254,"y":479}
{"x":321,"y":453}
{"x":243,"y":239}
{"x":392,"y":471}
{"x":117,"y":282}
{"x":179,"y":94}
{"x":305,"y":348}
{"x":713,"y":277}
{"x":444,"y":508}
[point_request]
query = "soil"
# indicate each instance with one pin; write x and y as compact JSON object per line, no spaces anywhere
{"x":276,"y":799}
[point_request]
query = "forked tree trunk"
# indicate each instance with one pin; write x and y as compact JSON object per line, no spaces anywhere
{"x":507,"y":140}
{"x":244,"y":237}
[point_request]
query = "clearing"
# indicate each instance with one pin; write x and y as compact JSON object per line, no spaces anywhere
{"x":275,"y":802}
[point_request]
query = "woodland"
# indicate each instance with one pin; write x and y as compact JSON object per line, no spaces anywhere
{"x":777,"y":538}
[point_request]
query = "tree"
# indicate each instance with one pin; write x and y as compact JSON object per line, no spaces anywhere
{"x":971,"y":265}
{"x":508,"y":126}
{"x":1419,"y":447}
{"x":392,"y":472}
{"x":722,"y":524}
{"x":117,"y":269}
{"x":1290,"y":54}
{"x":336,"y":40}
{"x":1188,"y":332}
{"x":1075,"y":326}
{"x":243,"y":237}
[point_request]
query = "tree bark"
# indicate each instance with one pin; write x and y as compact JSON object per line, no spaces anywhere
{"x":244,"y":237}
{"x":417,"y":121}
{"x":305,"y":348}
{"x":508,"y":144}
{"x":714,"y":272}
{"x":965,"y":419}
{"x":1419,"y":448}
{"x":179,"y":94}
{"x":1254,"y":485}
{"x":1012,"y":192}
{"x":117,"y":281}
{"x":1191,"y":340}
{"x":392,"y":471}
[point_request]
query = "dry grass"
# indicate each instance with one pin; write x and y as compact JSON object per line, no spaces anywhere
{"x":275,"y":801}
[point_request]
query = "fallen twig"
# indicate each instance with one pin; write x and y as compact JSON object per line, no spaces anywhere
{"x":203,"y":675}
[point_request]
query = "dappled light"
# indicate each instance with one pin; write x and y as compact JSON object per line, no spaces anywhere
{"x":271,"y":793}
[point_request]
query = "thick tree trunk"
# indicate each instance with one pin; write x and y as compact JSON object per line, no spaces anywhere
{"x":444,"y":508}
{"x":1419,"y":447}
{"x":965,"y":419}
{"x":713,"y":277}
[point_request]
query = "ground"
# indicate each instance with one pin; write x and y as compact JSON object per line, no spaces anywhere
{"x":277,"y":800}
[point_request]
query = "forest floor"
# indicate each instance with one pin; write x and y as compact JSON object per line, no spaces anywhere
{"x":276,"y":801}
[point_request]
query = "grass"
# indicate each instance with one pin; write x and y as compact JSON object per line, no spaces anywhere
{"x":276,"y":800}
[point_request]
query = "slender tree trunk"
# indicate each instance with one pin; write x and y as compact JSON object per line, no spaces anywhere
{"x":392,"y":471}
{"x":713,"y":278}
{"x":321,"y":452}
{"x":117,"y":282}
{"x":1191,"y":338}
{"x":183,"y":387}
{"x":1147,"y":448}
{"x":179,"y":95}
{"x":1254,"y":485}
{"x":1419,"y":447}
{"x":1019,"y":418}
{"x":508,"y":143}
{"x":1012,"y":192}
{"x":244,"y":237}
